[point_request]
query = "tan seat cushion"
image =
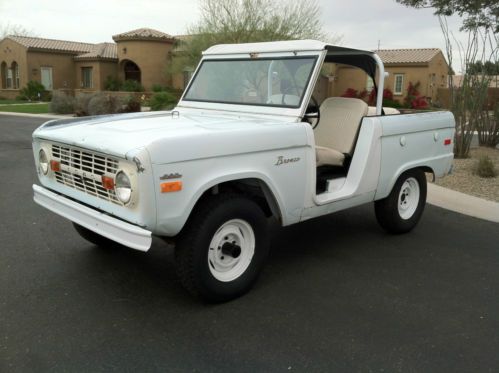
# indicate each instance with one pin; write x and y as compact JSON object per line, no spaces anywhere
{"x":340,"y":122}
{"x":326,"y":156}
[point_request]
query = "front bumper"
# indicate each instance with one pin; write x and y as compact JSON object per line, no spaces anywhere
{"x":117,"y":230}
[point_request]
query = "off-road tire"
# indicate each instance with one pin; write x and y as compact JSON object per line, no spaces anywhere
{"x":387,"y":210}
{"x":192,"y":246}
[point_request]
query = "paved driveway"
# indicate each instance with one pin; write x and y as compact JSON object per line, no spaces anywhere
{"x":338,"y":294}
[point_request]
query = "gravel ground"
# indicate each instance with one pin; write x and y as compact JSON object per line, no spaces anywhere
{"x":464,"y":180}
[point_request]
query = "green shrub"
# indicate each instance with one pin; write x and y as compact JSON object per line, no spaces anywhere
{"x":112,"y":83}
{"x":162,"y":101}
{"x":132,"y":105}
{"x":62,"y":103}
{"x":485,"y":167}
{"x":392,"y":103}
{"x":102,"y":103}
{"x":158,"y":88}
{"x":32,"y":91}
{"x":132,"y":86}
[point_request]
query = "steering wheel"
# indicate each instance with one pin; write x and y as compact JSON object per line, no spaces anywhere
{"x":313,"y":112}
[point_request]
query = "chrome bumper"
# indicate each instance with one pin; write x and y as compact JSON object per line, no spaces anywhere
{"x":117,"y":230}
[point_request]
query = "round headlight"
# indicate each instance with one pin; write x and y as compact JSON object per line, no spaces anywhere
{"x":43,"y":161}
{"x":123,"y":187}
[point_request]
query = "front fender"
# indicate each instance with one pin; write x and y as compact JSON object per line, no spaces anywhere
{"x":173,"y":209}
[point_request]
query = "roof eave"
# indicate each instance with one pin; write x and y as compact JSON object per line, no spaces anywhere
{"x":143,"y":38}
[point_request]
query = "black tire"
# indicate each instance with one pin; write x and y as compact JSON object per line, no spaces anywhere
{"x":192,"y":251}
{"x":387,"y":210}
{"x":93,"y":237}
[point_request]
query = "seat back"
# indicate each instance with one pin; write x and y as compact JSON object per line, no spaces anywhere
{"x":340,"y":122}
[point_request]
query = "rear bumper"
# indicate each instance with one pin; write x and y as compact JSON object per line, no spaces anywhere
{"x":117,"y":230}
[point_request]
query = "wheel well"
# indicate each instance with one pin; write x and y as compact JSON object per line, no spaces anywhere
{"x":428,"y":170}
{"x":254,"y":188}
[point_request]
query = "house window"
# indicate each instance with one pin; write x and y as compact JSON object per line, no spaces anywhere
{"x":9,"y":79}
{"x":18,"y":85}
{"x":86,"y":77}
{"x":369,"y":84}
{"x":399,"y":84}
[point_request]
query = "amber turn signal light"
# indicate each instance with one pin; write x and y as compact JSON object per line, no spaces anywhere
{"x":55,"y":166}
{"x":174,"y":186}
{"x":107,"y":182}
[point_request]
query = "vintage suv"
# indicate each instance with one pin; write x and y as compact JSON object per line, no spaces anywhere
{"x":247,"y":141}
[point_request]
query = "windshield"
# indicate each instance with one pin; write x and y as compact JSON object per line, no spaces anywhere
{"x":277,"y":82}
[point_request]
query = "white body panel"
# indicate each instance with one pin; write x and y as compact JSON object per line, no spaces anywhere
{"x":114,"y":229}
{"x":204,"y":144}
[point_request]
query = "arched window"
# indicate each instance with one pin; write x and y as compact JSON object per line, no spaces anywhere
{"x":3,"y":75}
{"x":15,"y":75}
{"x":132,"y":71}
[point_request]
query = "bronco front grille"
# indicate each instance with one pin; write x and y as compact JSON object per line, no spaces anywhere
{"x":83,"y":170}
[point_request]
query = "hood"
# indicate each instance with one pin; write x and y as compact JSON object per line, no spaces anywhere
{"x":200,"y":132}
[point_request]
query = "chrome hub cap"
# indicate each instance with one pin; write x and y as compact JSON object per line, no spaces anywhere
{"x":231,"y":250}
{"x":408,"y":198}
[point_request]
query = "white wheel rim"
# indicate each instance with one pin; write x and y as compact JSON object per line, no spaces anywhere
{"x":233,"y":234}
{"x":408,"y":198}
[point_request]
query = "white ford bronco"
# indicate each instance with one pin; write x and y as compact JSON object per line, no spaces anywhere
{"x":248,"y":141}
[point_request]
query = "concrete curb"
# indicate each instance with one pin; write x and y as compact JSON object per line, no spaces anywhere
{"x":47,"y":116}
{"x":463,"y":203}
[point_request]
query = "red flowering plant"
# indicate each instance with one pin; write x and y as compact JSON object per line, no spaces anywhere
{"x":413,"y":99}
{"x":353,"y":93}
{"x":387,"y":96}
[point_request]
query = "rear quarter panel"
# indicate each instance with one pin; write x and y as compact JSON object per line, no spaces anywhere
{"x":414,"y":140}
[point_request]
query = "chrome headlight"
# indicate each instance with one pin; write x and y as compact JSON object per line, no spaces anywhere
{"x":123,"y":187}
{"x":43,"y":161}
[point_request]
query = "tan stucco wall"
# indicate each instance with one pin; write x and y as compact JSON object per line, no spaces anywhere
{"x":62,"y":68}
{"x":431,"y":77}
{"x":11,"y":51}
{"x":152,"y":57}
{"x":100,"y":71}
{"x":345,"y":77}
{"x":440,"y":68}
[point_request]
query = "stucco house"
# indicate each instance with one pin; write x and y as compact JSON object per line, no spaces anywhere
{"x":140,"y":55}
{"x":427,"y":66}
{"x":144,"y":54}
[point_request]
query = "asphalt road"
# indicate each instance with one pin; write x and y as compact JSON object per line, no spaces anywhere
{"x":337,"y":295}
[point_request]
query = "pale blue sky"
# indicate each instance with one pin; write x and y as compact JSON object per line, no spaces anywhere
{"x":361,"y":22}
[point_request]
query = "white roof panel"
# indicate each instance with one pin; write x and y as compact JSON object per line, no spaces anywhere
{"x":267,"y":47}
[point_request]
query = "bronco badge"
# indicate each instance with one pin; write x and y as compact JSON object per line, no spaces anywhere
{"x":281,"y":160}
{"x":176,"y":175}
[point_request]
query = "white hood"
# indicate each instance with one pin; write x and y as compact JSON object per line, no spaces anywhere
{"x":172,"y":136}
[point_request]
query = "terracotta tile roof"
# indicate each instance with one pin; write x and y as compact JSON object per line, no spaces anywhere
{"x":106,"y":51}
{"x":407,"y":56}
{"x":143,"y":34}
{"x":52,"y":45}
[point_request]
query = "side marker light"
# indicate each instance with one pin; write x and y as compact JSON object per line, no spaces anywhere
{"x":174,"y":186}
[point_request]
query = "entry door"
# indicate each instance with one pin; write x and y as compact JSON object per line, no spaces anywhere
{"x":46,"y":73}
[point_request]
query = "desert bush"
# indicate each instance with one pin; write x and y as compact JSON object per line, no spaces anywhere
{"x":62,"y":103}
{"x":112,"y":83}
{"x":81,"y":104}
{"x":102,"y":103}
{"x":485,"y":167}
{"x":32,"y":91}
{"x":132,"y":104}
{"x":132,"y":86}
{"x":162,"y":101}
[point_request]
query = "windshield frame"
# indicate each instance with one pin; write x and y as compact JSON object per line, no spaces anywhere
{"x":312,"y":56}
